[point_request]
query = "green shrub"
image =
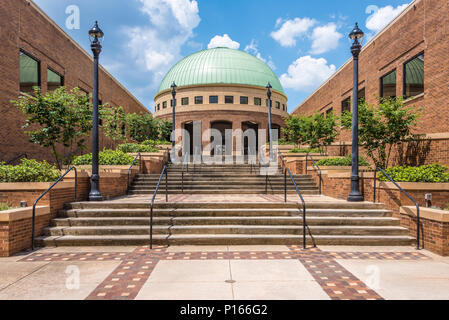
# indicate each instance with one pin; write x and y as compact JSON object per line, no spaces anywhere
{"x":446,"y":207}
{"x":156,"y":142}
{"x":346,"y":161}
{"x":426,"y":173}
{"x":4,"y":206}
{"x":134,"y":147}
{"x":106,"y":157}
{"x":29,"y":170}
{"x":306,"y":150}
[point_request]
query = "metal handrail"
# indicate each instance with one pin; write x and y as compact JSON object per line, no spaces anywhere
{"x":303,"y":205}
{"x":182,"y":171}
{"x":164,"y":170}
{"x":15,"y":158}
{"x":316,"y":165}
{"x":43,"y":194}
{"x":132,"y":164}
{"x":408,"y":196}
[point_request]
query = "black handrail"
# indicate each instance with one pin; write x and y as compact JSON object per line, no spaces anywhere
{"x":164,"y":170}
{"x":303,"y":205}
{"x":316,"y":165}
{"x":403,"y":191}
{"x":132,"y":164}
{"x":15,"y":158}
{"x":182,"y":170}
{"x":43,"y":194}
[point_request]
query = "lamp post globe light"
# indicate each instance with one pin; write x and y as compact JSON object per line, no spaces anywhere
{"x":173,"y":93}
{"x":95,"y":35}
{"x":269,"y":87}
{"x":355,"y":195}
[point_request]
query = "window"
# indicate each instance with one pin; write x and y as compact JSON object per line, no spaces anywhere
{"x":213,"y":99}
{"x":158,"y":106}
{"x":29,"y":73}
{"x":257,"y":101}
{"x":184,"y":101}
{"x":414,"y":76}
{"x":171,"y":103}
{"x":164,"y":104}
{"x":278,"y":105}
{"x":229,"y":99}
{"x":283,"y":107}
{"x":361,"y":94}
{"x":54,"y":80}
{"x":199,"y":100}
{"x":243,"y":100}
{"x":388,"y":85}
{"x":266,"y":102}
{"x":329,"y":111}
{"x":346,"y":105}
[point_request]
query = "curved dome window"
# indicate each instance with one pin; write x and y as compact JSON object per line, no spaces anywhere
{"x":229,"y":99}
{"x":213,"y":99}
{"x":257,"y":101}
{"x":243,"y":100}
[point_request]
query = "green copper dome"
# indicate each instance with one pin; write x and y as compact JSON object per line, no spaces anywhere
{"x":220,"y":65}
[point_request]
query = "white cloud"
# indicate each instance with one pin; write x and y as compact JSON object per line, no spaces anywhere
{"x":307,"y":73}
{"x":325,"y":38}
{"x":157,"y":47}
{"x":381,"y":17}
{"x":291,"y":30}
{"x":253,"y":49}
{"x":223,"y":41}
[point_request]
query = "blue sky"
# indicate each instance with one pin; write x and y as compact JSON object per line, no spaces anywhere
{"x":303,"y":41}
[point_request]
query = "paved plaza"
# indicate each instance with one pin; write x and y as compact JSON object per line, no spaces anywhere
{"x":225,"y":272}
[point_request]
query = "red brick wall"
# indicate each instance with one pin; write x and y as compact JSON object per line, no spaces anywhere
{"x":422,"y":28}
{"x":22,"y":26}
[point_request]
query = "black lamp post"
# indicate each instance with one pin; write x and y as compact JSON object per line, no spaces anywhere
{"x":355,"y":194}
{"x":269,"y":119}
{"x":173,"y":93}
{"x":95,"y":35}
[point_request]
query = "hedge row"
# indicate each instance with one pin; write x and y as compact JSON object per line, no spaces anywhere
{"x":346,"y":161}
{"x":29,"y":170}
{"x":426,"y":173}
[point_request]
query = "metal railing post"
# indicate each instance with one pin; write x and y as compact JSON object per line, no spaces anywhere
{"x":285,"y":185}
{"x":374,"y":187}
{"x":166,"y":185}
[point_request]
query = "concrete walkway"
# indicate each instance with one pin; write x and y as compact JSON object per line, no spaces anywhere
{"x":225,"y":272}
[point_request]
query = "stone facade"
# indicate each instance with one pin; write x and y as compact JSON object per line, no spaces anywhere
{"x":23,"y":26}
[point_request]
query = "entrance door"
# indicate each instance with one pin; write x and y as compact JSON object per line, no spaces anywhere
{"x":250,"y":137}
{"x":219,"y":147}
{"x":188,"y":127}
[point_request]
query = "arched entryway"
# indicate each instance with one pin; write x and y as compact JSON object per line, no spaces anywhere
{"x":250,"y":136}
{"x":188,"y":140}
{"x":219,"y":147}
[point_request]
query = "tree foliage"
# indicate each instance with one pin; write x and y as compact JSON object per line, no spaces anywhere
{"x":164,"y":129}
{"x":59,"y":117}
{"x":141,"y":127}
{"x":114,"y":122}
{"x":316,"y":131}
{"x":383,"y":127}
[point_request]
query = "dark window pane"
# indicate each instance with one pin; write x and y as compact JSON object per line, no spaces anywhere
{"x":329,"y":111}
{"x":414,"y":76}
{"x":243,"y":100}
{"x":283,"y":107}
{"x":213,"y":99}
{"x":361,"y":94}
{"x":185,"y":101}
{"x":346,"y":105}
{"x":257,"y":101}
{"x":171,"y":103}
{"x":158,"y":106}
{"x":229,"y":99}
{"x":164,"y":104}
{"x":199,"y":100}
{"x":54,"y":80}
{"x":278,"y":105}
{"x":29,"y":73}
{"x":388,"y":85}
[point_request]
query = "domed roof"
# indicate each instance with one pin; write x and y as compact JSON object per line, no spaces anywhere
{"x":220,"y":65}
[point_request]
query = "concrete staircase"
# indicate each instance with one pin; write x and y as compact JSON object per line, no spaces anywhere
{"x":182,"y":223}
{"x":221,"y":179}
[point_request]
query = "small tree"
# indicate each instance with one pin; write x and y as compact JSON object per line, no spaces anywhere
{"x":114,"y":123}
{"x":382,"y":128}
{"x":164,"y":130}
{"x":317,"y":131}
{"x":141,"y":127}
{"x":60,"y":117}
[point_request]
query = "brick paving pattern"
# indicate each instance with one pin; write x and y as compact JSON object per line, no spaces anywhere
{"x":125,"y":282}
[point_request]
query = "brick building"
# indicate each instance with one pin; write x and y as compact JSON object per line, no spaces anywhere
{"x":36,"y":51}
{"x":223,"y":89}
{"x":408,"y":58}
